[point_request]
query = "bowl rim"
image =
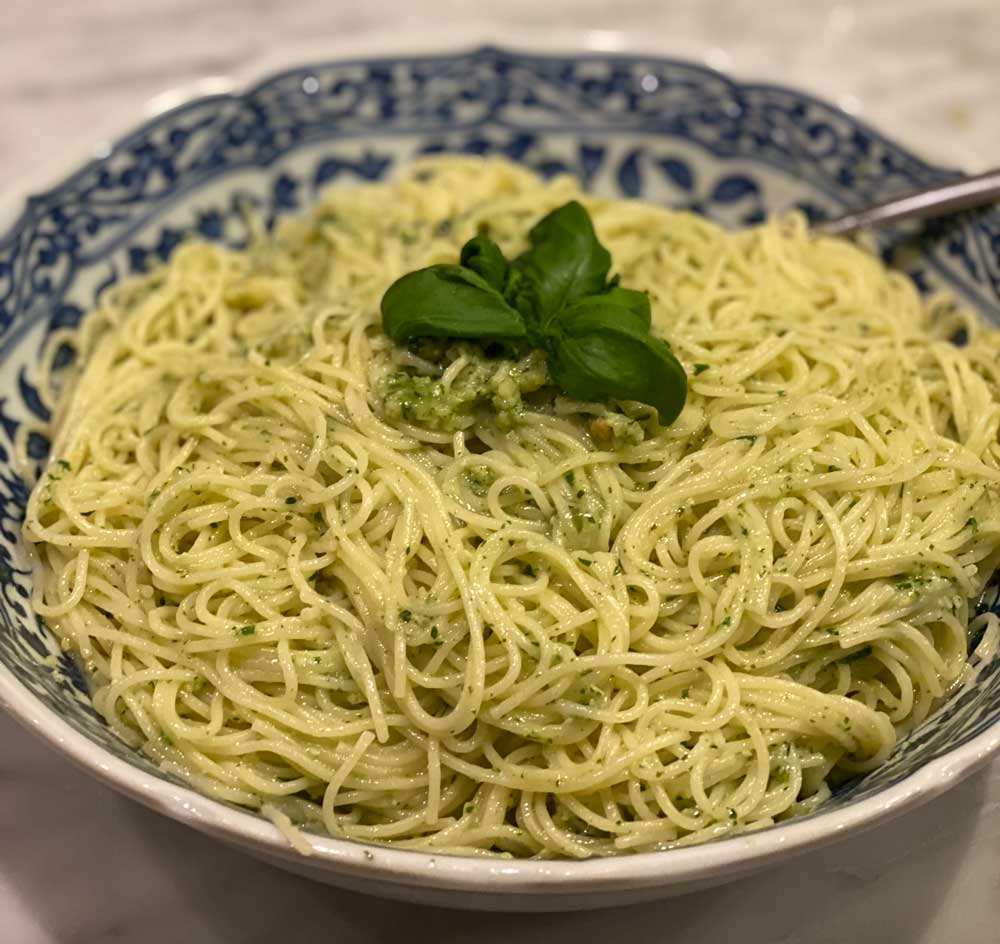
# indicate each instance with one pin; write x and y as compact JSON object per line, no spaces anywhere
{"x":725,"y":857}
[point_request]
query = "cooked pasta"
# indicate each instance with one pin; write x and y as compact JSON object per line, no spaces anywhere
{"x":412,"y":594}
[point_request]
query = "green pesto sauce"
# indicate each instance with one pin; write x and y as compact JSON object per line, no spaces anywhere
{"x":498,"y":390}
{"x":616,"y":431}
{"x":478,"y":479}
{"x":484,"y":386}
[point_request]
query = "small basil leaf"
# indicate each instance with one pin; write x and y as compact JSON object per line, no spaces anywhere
{"x":484,"y":257}
{"x":617,"y":306}
{"x":565,"y":262}
{"x":619,"y":363}
{"x":448,"y":301}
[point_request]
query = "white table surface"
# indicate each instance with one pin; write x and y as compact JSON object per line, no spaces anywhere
{"x":80,"y":864}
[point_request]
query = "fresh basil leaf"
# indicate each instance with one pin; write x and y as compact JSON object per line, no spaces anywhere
{"x":635,"y":301}
{"x":484,"y":257}
{"x":522,"y":293}
{"x":556,"y":296}
{"x":565,"y":262}
{"x":600,"y":358}
{"x":617,"y":306}
{"x":448,"y":301}
{"x":594,"y":314}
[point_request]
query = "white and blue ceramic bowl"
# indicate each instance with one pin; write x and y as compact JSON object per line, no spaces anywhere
{"x":666,"y":131}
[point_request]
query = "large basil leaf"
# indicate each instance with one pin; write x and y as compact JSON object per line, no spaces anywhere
{"x":448,"y":301}
{"x":616,"y":306}
{"x":599,"y":356}
{"x":565,"y":262}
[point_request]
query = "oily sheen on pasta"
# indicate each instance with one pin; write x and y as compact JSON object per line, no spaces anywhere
{"x":307,"y":576}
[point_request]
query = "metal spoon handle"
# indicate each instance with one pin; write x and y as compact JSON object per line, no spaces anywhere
{"x":965,"y":194}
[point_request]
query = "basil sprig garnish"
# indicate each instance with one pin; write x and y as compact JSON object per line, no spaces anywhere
{"x":557,"y":297}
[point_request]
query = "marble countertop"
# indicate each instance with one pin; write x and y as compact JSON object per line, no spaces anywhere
{"x":80,"y":864}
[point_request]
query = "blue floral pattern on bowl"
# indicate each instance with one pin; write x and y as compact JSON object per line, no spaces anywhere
{"x":666,"y":131}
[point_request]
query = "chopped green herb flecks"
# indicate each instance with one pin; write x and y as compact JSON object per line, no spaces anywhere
{"x":863,"y":653}
{"x":478,"y":479}
{"x":912,"y":583}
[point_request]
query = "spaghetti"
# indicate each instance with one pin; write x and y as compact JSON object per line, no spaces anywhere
{"x":404,"y":595}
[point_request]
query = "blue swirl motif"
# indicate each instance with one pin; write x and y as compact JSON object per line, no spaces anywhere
{"x":668,"y":131}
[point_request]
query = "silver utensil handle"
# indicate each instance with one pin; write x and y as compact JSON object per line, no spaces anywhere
{"x":965,"y":194}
